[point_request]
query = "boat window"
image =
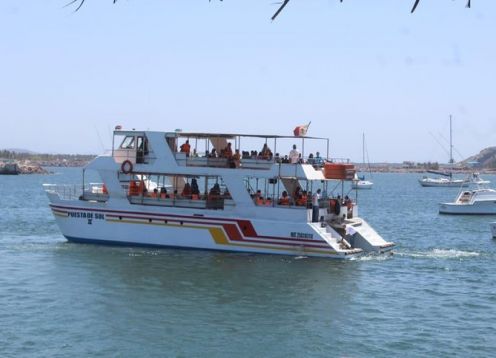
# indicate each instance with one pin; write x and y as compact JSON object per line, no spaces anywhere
{"x":128,"y":143}
{"x":200,"y":192}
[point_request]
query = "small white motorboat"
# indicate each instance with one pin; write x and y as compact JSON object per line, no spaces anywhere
{"x":493,"y":229}
{"x":480,"y":201}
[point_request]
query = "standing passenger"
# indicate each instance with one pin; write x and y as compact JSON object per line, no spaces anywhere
{"x":185,"y":148}
{"x":315,"y":206}
{"x":294,"y":155}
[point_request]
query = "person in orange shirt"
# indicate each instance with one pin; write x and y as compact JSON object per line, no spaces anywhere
{"x":185,"y":148}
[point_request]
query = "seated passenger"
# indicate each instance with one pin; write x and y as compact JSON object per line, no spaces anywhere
{"x":154,"y":194}
{"x":302,"y":200}
{"x":186,"y":191}
{"x":266,"y":153}
{"x":163,"y":193}
{"x":284,"y":199}
{"x":194,"y":187}
{"x":213,"y":153}
{"x":228,"y":153}
{"x":318,"y":159}
{"x":236,"y":159}
{"x":185,"y":148}
{"x":310,"y":159}
{"x":259,"y":198}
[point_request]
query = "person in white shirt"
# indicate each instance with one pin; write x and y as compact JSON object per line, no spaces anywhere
{"x":315,"y":206}
{"x":294,"y":155}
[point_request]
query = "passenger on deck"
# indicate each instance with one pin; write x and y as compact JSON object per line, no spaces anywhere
{"x":297,"y":193}
{"x":154,"y":194}
{"x":302,"y":199}
{"x":266,"y":153}
{"x":294,"y":155}
{"x":315,"y":206}
{"x":318,"y":160}
{"x":194,"y":154}
{"x":186,"y":193}
{"x":185,"y":148}
{"x":259,"y":198}
{"x":163,"y":193}
{"x":349,"y":206}
{"x":213,"y":153}
{"x":284,"y":199}
{"x":228,"y":153}
{"x":310,"y":159}
{"x":236,"y":159}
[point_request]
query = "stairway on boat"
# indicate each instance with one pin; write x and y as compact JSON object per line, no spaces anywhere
{"x":353,"y":233}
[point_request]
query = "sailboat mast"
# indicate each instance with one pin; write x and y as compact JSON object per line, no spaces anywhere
{"x":363,"y":148}
{"x":451,"y":141}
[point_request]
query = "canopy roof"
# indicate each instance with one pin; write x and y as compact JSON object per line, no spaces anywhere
{"x":233,"y":135}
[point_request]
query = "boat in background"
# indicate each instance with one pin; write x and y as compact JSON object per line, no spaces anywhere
{"x":477,"y":180}
{"x":443,"y":182}
{"x":361,"y":182}
{"x":481,"y":201}
{"x":448,"y":181}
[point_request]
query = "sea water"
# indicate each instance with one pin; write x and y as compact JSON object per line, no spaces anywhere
{"x":436,"y":296}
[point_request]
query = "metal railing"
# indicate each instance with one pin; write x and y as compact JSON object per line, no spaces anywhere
{"x":64,"y":191}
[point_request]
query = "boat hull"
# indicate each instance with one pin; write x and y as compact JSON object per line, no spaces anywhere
{"x":443,"y":184}
{"x":362,"y":184}
{"x":127,"y":228}
{"x":480,"y":208}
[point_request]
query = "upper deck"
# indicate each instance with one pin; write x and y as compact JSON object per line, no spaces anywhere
{"x":203,"y":153}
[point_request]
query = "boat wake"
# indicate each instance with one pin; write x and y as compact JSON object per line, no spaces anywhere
{"x":440,"y":254}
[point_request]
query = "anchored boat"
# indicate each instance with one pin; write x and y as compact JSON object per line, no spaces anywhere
{"x":481,"y":201}
{"x":157,"y":189}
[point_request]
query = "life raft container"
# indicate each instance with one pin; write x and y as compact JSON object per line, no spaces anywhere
{"x":339,"y":171}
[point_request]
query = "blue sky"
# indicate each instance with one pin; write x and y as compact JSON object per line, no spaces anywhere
{"x":67,"y":78}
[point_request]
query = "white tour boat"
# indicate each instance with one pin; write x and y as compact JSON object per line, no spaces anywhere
{"x":155,"y":194}
{"x":481,"y":201}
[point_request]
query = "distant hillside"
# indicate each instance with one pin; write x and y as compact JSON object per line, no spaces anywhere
{"x":486,"y":158}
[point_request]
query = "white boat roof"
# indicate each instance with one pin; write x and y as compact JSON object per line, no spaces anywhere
{"x":232,"y":135}
{"x":217,"y":135}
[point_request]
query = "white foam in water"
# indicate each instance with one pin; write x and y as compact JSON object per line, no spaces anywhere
{"x":442,"y":254}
